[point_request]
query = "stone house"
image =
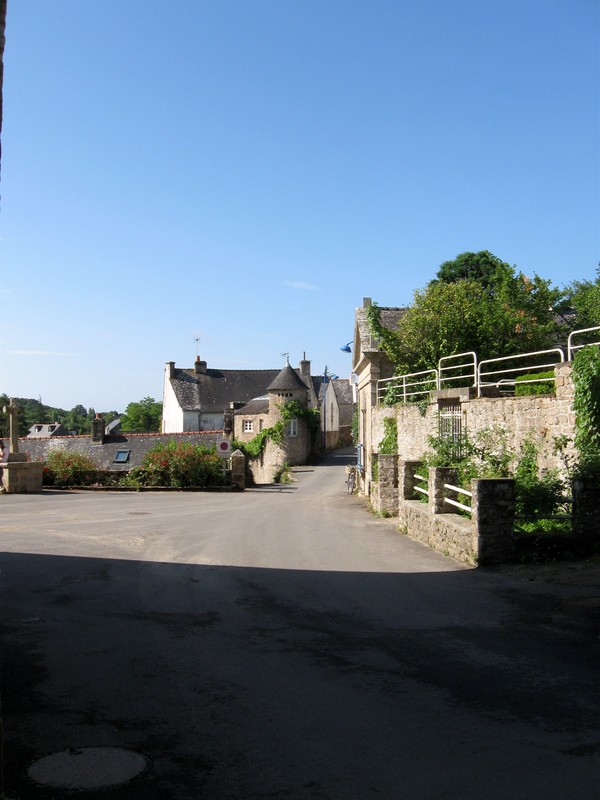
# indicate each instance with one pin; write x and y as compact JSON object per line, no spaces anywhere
{"x":538,"y":418}
{"x":336,"y":405}
{"x":369,"y":364}
{"x":198,"y":399}
{"x":46,"y":429}
{"x":264,"y":412}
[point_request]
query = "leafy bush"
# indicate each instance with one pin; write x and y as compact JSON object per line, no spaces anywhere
{"x":586,"y":377}
{"x":375,"y":468}
{"x":178,"y":464}
{"x":389,"y":444}
{"x":538,"y":496}
{"x":65,"y":468}
{"x":547,"y":387}
{"x":283,"y":474}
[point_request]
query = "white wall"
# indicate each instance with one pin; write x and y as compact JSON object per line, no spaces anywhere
{"x":172,"y":418}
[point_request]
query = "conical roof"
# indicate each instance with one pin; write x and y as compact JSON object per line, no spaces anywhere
{"x":288,"y":380}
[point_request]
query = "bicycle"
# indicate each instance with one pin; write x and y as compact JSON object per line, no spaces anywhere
{"x":351,"y":481}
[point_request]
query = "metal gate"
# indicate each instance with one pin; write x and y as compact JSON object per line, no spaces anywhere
{"x":450,"y":426}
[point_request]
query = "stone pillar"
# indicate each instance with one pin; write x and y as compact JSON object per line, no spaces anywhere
{"x":586,"y":514}
{"x":388,"y":484}
{"x":13,"y":453}
{"x":493,"y":514}
{"x":238,"y":469}
{"x":438,"y":476}
{"x":407,"y":480}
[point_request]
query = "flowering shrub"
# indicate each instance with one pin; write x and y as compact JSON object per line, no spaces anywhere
{"x":64,"y":468}
{"x":178,"y":464}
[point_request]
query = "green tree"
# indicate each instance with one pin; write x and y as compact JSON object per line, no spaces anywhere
{"x":33,"y":412}
{"x":498,"y":313}
{"x":483,"y":267}
{"x":142,"y":417}
{"x":584,"y":300}
{"x":110,"y":416}
{"x":76,"y":420}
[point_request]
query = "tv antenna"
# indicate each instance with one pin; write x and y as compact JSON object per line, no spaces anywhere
{"x":287,"y":357}
{"x":197,"y":340}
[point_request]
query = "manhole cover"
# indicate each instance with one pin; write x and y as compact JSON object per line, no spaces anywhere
{"x":88,"y":767}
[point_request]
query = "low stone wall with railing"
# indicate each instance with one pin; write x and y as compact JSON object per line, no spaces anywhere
{"x":487,"y":535}
{"x":540,"y":418}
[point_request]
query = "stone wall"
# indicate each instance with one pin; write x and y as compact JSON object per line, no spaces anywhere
{"x":539,"y":417}
{"x":449,"y":534}
{"x":486,"y":537}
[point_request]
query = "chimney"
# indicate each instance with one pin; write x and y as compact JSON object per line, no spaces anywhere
{"x":170,"y":365}
{"x":366,"y":302}
{"x":304,"y":366}
{"x":98,"y":430}
{"x":199,"y":366}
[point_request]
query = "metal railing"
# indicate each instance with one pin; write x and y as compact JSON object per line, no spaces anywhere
{"x":456,"y":503}
{"x":467,"y":369}
{"x":401,"y":388}
{"x":499,"y":375}
{"x":423,"y":479}
{"x":404,"y":388}
{"x":571,"y":348}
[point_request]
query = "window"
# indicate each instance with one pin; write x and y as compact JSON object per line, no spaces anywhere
{"x":121,"y":457}
{"x":248,"y":426}
{"x":291,"y":429}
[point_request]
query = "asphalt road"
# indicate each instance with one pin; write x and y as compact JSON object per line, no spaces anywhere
{"x":284,"y":643}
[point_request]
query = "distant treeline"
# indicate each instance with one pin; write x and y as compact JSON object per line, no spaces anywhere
{"x":78,"y":420}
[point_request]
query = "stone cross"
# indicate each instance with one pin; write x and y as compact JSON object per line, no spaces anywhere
{"x":12,"y":410}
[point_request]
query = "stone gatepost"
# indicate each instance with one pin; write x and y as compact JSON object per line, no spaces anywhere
{"x":388,"y":484}
{"x":586,"y":514}
{"x":438,"y":476}
{"x":493,"y":513}
{"x":238,"y":469}
{"x":406,"y":479}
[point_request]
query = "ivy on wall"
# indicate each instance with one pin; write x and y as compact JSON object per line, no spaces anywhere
{"x":389,"y":443}
{"x":389,"y":342}
{"x":291,"y":409}
{"x":586,"y":404}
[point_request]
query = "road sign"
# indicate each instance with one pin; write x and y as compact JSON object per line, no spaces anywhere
{"x":224,"y":448}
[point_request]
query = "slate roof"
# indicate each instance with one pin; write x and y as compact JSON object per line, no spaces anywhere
{"x":260,"y":405}
{"x":288,"y":380}
{"x":342,"y":388}
{"x":215,"y":389}
{"x":343,"y":391}
{"x":104,"y":454}
{"x":47,"y":429}
{"x":390,"y":318}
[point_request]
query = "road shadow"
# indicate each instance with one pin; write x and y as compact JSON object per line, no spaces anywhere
{"x":336,"y":458}
{"x":251,"y":682}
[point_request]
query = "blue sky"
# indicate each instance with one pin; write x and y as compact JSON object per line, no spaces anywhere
{"x":246,"y":171}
